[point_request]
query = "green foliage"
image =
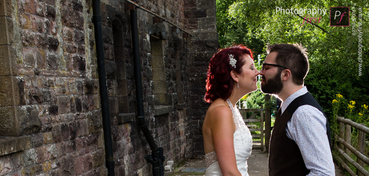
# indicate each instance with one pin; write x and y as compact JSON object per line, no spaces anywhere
{"x":333,"y":51}
{"x":350,"y":109}
{"x":232,"y":31}
{"x":255,"y":100}
{"x":357,"y":113}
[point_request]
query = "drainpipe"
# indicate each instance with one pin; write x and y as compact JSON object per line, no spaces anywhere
{"x":103,"y":90}
{"x":157,"y":158}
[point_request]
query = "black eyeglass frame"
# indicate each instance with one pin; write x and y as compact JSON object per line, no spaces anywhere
{"x":275,"y":65}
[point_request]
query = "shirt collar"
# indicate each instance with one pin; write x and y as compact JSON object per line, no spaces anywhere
{"x":292,"y":97}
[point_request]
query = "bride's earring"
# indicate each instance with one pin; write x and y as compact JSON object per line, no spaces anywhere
{"x":238,"y":86}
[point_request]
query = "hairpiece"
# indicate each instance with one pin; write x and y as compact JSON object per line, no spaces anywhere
{"x":232,"y":60}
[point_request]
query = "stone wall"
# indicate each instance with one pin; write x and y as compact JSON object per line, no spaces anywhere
{"x":50,"y":113}
{"x":204,"y":43}
{"x":50,"y":106}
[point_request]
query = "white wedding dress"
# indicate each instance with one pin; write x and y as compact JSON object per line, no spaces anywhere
{"x":242,"y":140}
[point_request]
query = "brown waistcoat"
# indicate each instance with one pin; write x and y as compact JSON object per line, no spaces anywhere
{"x":285,"y":158}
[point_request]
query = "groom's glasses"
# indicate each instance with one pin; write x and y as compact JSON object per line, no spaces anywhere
{"x":275,"y":65}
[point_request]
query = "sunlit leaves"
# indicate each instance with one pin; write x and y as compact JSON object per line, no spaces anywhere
{"x":333,"y":51}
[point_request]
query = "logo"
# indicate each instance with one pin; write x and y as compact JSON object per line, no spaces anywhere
{"x":311,"y":20}
{"x":339,"y":16}
{"x":308,"y":18}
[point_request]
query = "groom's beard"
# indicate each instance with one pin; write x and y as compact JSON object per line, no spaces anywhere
{"x":273,"y":85}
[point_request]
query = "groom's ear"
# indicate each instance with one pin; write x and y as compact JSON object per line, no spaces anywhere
{"x":234,"y":76}
{"x":286,"y":74}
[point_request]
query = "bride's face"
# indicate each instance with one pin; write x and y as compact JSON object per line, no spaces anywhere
{"x":248,"y":76}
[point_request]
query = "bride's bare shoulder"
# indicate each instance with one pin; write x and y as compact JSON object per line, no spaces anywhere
{"x":219,"y":108}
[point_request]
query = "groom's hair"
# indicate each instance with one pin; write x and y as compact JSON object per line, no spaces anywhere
{"x":294,"y":57}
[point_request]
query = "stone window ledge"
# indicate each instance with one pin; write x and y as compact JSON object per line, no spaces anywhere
{"x":161,"y":110}
{"x":10,"y":145}
{"x":125,"y":117}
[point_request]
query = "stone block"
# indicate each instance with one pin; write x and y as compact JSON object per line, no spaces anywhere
{"x":79,"y":37}
{"x":14,"y":144}
{"x":29,"y":57}
{"x":79,"y":63}
{"x":5,"y":7}
{"x":67,"y":165}
{"x":78,"y":163}
{"x":90,"y":102}
{"x":53,"y":61}
{"x":53,"y":110}
{"x":7,"y":60}
{"x":56,"y":133}
{"x":122,"y":87}
{"x":110,"y":69}
{"x":67,"y":34}
{"x":41,"y":40}
{"x":94,"y":121}
{"x":45,"y":153}
{"x":3,"y":31}
{"x":28,"y":6}
{"x":37,"y":140}
{"x":41,"y":59}
{"x":158,"y":73}
{"x":160,"y":87}
{"x":76,"y":104}
{"x":32,"y":170}
{"x":27,"y":119}
{"x":81,"y":128}
{"x":125,"y":117}
{"x":161,"y":99}
{"x":98,"y":158}
{"x":201,"y":13}
{"x":113,"y":107}
{"x":161,"y":110}
{"x":26,"y":21}
{"x":53,"y":43}
{"x":67,"y":147}
{"x":29,"y":157}
{"x":64,"y":132}
{"x":91,"y":86}
{"x":50,"y":12}
{"x":121,"y":69}
{"x":70,"y":48}
{"x":123,"y":105}
{"x":100,"y":140}
{"x":7,"y":121}
{"x":47,"y":137}
{"x":39,"y":25}
{"x":63,"y":103}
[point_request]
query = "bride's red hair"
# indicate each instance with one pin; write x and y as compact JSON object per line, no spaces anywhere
{"x":219,"y":83}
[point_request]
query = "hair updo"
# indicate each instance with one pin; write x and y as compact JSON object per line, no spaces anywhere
{"x":219,"y":83}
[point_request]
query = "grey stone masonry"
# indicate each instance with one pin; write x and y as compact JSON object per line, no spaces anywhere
{"x":203,"y":45}
{"x":50,"y":105}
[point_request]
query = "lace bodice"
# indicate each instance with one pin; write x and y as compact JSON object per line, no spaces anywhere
{"x":242,"y":144}
{"x":210,"y":158}
{"x":237,"y":118}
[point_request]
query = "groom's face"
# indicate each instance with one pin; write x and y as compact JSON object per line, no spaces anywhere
{"x":271,"y":82}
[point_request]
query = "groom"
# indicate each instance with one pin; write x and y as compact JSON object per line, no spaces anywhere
{"x":300,"y":142}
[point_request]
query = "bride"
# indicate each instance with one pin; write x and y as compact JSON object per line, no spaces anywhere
{"x":227,"y":140}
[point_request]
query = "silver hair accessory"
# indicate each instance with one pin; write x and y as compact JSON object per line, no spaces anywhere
{"x":232,"y":60}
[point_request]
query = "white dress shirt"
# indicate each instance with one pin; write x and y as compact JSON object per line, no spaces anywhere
{"x":307,"y":127}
